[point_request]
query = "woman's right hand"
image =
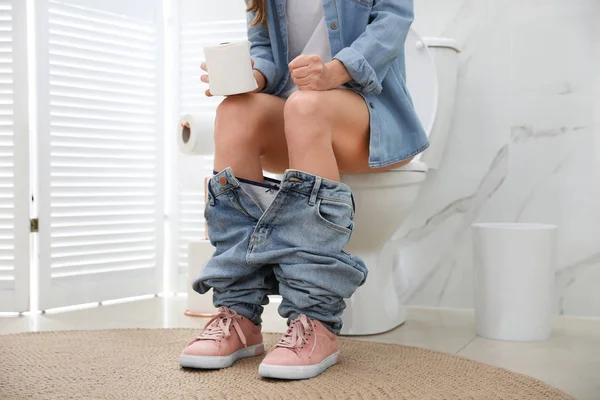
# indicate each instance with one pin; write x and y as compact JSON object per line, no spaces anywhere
{"x":258,"y":76}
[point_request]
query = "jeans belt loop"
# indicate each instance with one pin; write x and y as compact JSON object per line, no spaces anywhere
{"x":315,"y":191}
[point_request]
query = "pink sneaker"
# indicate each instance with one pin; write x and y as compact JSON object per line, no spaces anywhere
{"x":306,"y":350}
{"x":218,"y":346}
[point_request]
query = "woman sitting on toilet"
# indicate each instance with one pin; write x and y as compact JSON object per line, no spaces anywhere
{"x":332,"y":98}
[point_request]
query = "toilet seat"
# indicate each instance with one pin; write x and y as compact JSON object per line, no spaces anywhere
{"x":413,"y":166}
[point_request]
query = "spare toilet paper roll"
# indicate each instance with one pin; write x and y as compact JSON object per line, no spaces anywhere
{"x":199,"y":252}
{"x":230,"y":68}
{"x":195,"y":134}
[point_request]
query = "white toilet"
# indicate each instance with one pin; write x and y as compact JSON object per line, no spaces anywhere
{"x":431,"y":65}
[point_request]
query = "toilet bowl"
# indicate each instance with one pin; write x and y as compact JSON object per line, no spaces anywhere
{"x":385,"y":199}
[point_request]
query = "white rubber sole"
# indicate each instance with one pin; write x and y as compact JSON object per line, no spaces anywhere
{"x":298,"y":372}
{"x":219,"y":362}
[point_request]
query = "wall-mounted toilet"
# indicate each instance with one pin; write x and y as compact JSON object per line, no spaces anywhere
{"x":385,"y":199}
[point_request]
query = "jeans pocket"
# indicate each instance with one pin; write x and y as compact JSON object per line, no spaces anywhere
{"x":335,"y":214}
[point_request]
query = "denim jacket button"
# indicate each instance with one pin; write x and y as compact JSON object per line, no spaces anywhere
{"x":372,"y":105}
{"x":223,"y":181}
{"x":334,"y":26}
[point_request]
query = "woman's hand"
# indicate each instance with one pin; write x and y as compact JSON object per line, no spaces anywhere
{"x":258,"y":76}
{"x":311,"y":73}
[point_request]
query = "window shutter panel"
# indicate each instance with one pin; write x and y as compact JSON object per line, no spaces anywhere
{"x":201,"y":23}
{"x":100,"y":127}
{"x":14,"y":158}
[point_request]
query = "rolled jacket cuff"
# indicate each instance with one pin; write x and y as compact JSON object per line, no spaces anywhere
{"x":364,"y":76}
{"x":269,"y":71}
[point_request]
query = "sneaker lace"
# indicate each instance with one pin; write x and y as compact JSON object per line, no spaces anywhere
{"x":219,"y":326}
{"x":296,"y":336}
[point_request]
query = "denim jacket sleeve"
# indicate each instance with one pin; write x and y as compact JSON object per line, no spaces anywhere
{"x":261,"y":52}
{"x":369,"y":58}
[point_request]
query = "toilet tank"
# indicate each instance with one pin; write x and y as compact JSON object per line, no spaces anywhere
{"x":445,"y":52}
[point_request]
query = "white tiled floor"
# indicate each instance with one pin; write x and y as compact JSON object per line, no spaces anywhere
{"x":570,"y":360}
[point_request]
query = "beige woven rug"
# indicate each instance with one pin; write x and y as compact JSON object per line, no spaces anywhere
{"x":142,"y":364}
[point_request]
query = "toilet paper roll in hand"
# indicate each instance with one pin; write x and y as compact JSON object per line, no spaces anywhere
{"x":230,"y":68}
{"x":195,"y":134}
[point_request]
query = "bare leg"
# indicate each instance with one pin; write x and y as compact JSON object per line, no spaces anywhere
{"x":328,"y":132}
{"x":246,"y":128}
{"x":249,"y":134}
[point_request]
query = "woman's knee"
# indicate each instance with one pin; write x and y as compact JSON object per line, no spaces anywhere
{"x":305,"y":104}
{"x":237,"y":119}
{"x":306,"y":116}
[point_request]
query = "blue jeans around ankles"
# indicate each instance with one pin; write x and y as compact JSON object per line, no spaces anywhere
{"x":298,"y":240}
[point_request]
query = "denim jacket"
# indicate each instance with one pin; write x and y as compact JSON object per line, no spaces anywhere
{"x":368,"y":37}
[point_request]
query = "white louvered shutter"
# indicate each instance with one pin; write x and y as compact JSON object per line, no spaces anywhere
{"x":14,"y":159}
{"x":201,"y":23}
{"x":100,"y":126}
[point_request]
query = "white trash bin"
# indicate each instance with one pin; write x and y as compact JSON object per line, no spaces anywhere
{"x":514,"y":266}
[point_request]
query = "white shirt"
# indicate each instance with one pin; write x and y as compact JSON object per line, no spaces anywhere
{"x":307,"y":34}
